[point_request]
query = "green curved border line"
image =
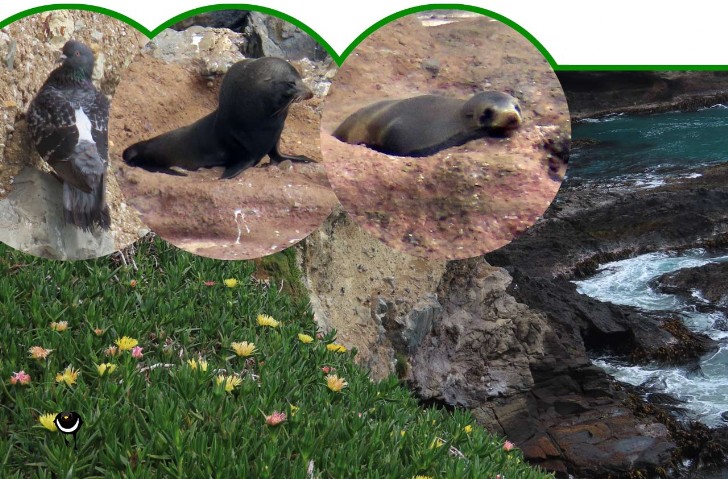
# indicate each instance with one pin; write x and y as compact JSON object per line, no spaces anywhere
{"x":339,"y":59}
{"x":449,"y":6}
{"x":153,"y":33}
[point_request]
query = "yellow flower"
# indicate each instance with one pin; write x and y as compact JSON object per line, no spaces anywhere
{"x":231,"y":282}
{"x":59,"y":326}
{"x":305,"y":338}
{"x":336,"y":348}
{"x":423,"y":477}
{"x":468,"y":429}
{"x":68,"y":376}
{"x":265,"y":320}
{"x":243,"y":348}
{"x":335,"y":383}
{"x":437,"y":442}
{"x":38,"y":352}
{"x":201,"y":364}
{"x":231,"y":382}
{"x":294,"y":409}
{"x":126,"y":343}
{"x":47,"y":421}
{"x":105,"y":368}
{"x":402,"y":432}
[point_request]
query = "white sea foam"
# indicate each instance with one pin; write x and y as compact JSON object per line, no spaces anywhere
{"x":705,"y":390}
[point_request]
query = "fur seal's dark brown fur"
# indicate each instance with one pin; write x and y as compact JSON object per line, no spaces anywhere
{"x":424,"y":125}
{"x":247,"y":125}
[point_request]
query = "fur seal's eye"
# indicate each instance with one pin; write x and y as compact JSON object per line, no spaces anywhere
{"x":487,"y":116}
{"x":518,"y":108}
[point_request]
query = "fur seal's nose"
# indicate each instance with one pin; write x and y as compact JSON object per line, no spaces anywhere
{"x":129,"y":155}
{"x":304,"y":92}
{"x":508,"y":120}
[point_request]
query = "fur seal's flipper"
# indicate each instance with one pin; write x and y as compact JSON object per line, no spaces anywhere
{"x":190,"y":147}
{"x":424,"y":125}
{"x":231,"y":171}
{"x":253,"y":104}
{"x":277,"y":157}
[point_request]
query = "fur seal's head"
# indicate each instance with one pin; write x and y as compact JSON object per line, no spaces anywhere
{"x":275,"y":82}
{"x":497,"y":112}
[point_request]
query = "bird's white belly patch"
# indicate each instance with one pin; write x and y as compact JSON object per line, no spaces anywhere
{"x":83,"y":124}
{"x":69,"y":429}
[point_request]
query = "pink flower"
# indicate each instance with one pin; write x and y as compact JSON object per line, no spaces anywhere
{"x":209,"y":283}
{"x":136,"y":352}
{"x":328,"y":369}
{"x":276,"y":418}
{"x":508,"y":445}
{"x":20,"y":377}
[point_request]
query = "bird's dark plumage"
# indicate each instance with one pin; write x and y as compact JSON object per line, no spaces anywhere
{"x":68,"y":121}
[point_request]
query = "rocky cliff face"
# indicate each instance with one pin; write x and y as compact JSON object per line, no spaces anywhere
{"x":482,"y":342}
{"x":597,"y":93}
{"x":380,"y":301}
{"x":458,"y":335}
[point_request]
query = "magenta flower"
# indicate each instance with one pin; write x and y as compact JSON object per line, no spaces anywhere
{"x":276,"y":418}
{"x":508,"y":445}
{"x":136,"y":352}
{"x":20,"y":377}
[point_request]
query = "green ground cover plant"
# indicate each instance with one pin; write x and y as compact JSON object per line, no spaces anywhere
{"x":182,"y":366}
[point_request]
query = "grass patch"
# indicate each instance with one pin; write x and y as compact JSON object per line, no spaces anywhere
{"x":164,"y":414}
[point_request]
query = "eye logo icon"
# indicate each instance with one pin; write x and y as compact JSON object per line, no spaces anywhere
{"x":68,"y":423}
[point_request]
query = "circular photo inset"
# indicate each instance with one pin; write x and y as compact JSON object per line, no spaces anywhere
{"x":58,"y":199}
{"x":445,"y":134}
{"x":215,"y":131}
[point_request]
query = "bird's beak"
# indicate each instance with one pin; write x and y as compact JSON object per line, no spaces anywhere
{"x":62,"y":58}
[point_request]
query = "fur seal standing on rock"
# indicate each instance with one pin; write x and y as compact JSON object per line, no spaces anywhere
{"x":247,"y":125}
{"x":424,"y":125}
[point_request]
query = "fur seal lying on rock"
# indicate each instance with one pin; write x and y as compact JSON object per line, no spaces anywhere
{"x":253,"y":104}
{"x":424,"y":125}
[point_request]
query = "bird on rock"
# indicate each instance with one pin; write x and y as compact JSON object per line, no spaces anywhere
{"x":68,"y":121}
